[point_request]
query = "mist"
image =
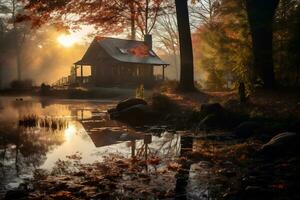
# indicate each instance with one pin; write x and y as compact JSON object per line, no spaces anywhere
{"x":43,"y":58}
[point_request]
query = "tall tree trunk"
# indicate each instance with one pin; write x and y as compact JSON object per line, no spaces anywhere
{"x":260,"y":16}
{"x":186,"y":50}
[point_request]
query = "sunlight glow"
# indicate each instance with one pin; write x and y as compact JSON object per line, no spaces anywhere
{"x":70,"y":132}
{"x":67,"y":41}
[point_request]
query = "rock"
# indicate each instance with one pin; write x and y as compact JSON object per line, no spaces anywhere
{"x":247,"y":129}
{"x":210,"y":121}
{"x":213,"y":108}
{"x":112,"y":110}
{"x":128,"y":137}
{"x":162,"y":103}
{"x":124,"y":136}
{"x":217,"y":117}
{"x":135,"y":114}
{"x":125,"y":104}
{"x":281,"y":143}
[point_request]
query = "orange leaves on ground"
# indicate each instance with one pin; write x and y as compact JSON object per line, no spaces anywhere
{"x":154,"y":161}
{"x":62,"y":195}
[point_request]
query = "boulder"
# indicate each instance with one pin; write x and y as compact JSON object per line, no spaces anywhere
{"x":210,"y":121}
{"x":112,"y":110}
{"x":281,"y":143}
{"x":247,"y":129}
{"x":135,"y":114}
{"x":212,"y":108}
{"x":162,"y":103}
{"x":214,"y":121}
{"x":125,"y":104}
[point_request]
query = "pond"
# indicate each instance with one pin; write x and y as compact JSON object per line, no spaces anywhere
{"x":89,"y":132}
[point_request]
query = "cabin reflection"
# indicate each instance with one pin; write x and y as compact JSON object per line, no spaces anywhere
{"x":102,"y":130}
{"x":105,"y":132}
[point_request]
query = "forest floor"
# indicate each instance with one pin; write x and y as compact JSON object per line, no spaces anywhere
{"x":225,"y":158}
{"x":281,"y":103}
{"x":242,"y":169}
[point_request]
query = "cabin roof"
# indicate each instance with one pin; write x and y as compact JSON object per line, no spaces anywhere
{"x":121,"y":50}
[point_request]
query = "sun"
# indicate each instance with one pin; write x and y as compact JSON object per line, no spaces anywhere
{"x":67,"y":41}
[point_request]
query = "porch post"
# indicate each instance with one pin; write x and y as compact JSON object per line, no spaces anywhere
{"x":75,"y":74}
{"x":81,"y":73}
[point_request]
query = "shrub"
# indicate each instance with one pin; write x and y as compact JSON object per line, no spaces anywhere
{"x":139,"y":92}
{"x":21,"y":85}
{"x":45,"y":89}
{"x":168,"y":86}
{"x":162,"y":102}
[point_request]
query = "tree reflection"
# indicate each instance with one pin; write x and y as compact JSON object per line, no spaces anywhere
{"x":25,"y":148}
{"x":182,"y":176}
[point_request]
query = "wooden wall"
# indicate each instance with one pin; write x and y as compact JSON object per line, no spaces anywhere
{"x":111,"y":73}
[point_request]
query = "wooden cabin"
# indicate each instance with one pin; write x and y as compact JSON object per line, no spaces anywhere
{"x":118,"y":62}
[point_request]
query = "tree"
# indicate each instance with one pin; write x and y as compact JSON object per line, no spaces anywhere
{"x":107,"y":16}
{"x":167,"y":36}
{"x":204,"y":12}
{"x":186,"y":49}
{"x":294,"y":46}
{"x":11,"y":9}
{"x":260,"y":15}
{"x":286,"y":42}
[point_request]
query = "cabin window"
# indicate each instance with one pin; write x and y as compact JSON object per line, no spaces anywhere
{"x":123,"y":51}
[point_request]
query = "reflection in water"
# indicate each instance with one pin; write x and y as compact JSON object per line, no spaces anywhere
{"x":70,"y":132}
{"x":23,"y":150}
{"x":90,"y":132}
{"x":182,"y":177}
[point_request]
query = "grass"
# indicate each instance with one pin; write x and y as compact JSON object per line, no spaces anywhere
{"x":53,"y":123}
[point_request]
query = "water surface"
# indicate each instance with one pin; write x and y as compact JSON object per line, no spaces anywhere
{"x":90,"y":133}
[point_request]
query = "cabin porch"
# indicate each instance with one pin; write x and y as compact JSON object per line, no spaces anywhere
{"x":119,"y":75}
